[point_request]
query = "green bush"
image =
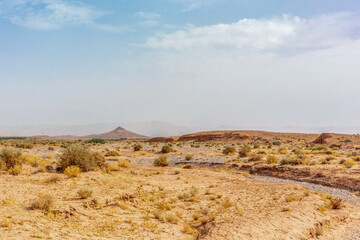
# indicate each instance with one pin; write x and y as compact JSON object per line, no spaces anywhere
{"x":82,"y":157}
{"x":11,"y":157}
{"x":96,"y":140}
{"x":276,"y":143}
{"x":290,"y":161}
{"x":161,"y":161}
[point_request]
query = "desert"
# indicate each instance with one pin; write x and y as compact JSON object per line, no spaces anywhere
{"x":194,"y":189}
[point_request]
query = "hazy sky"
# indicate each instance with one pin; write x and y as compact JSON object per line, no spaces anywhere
{"x":190,"y":62}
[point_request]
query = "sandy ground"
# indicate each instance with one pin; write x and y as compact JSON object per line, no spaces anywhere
{"x":147,"y":202}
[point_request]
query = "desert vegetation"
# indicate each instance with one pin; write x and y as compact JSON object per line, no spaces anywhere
{"x":186,"y":190}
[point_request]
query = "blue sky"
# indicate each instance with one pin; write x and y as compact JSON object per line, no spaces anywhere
{"x":190,"y":62}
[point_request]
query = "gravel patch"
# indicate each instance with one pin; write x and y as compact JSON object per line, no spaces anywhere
{"x":339,"y":193}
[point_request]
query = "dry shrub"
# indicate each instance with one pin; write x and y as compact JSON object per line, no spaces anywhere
{"x":171,"y":217}
{"x":244,"y":151}
{"x":124,"y":163}
{"x":189,"y":230}
{"x":286,"y":209}
{"x":161,"y":161}
{"x":25,"y":145}
{"x":82,"y":157}
{"x":271,"y":159}
{"x":16,"y":170}
{"x":98,"y":158}
{"x":317,"y":230}
{"x":166,"y":149}
{"x":53,"y":179}
{"x":35,"y":161}
{"x":196,"y":216}
{"x":189,"y":157}
{"x":112,"y":167}
{"x":44,"y":203}
{"x":85,"y":193}
{"x":229,"y":150}
{"x":283,"y":151}
{"x":72,"y":171}
{"x":137,"y":147}
{"x":335,"y":203}
{"x":291,"y":198}
{"x":158,"y":214}
{"x":6,"y":223}
{"x":255,"y":157}
{"x":112,"y":153}
{"x":349,"y":163}
{"x":227,"y":203}
{"x":2,"y":165}
{"x":290,"y":161}
{"x":11,"y":157}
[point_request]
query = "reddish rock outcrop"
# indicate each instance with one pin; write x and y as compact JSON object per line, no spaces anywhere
{"x":322,"y":138}
{"x":214,"y":136}
{"x":162,"y":139}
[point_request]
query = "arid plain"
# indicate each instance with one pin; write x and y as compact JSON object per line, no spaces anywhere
{"x":198,"y":186}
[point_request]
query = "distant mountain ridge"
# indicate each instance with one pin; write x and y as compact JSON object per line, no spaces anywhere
{"x":149,"y":128}
{"x":154,"y":129}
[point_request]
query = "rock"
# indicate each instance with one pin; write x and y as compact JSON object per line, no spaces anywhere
{"x":54,"y":169}
{"x":50,"y":169}
{"x":214,"y":136}
{"x":162,"y":139}
{"x":322,"y":138}
{"x":335,"y":146}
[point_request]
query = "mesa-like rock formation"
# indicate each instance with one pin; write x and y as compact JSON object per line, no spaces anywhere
{"x":214,"y":136}
{"x":322,"y":138}
{"x":162,"y":139}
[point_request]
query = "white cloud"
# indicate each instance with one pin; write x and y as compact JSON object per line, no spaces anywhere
{"x":147,"y":15}
{"x":150,"y":19}
{"x":52,"y":14}
{"x":150,"y":23}
{"x":192,"y":7}
{"x":286,"y":33}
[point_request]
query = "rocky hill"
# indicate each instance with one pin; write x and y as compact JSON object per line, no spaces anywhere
{"x":118,"y":133}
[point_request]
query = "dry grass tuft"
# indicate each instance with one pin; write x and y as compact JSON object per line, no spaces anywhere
{"x":11,"y":157}
{"x":85,"y":193}
{"x":44,"y":203}
{"x":161,"y":161}
{"x":124,"y":163}
{"x":72,"y":171}
{"x":82,"y":157}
